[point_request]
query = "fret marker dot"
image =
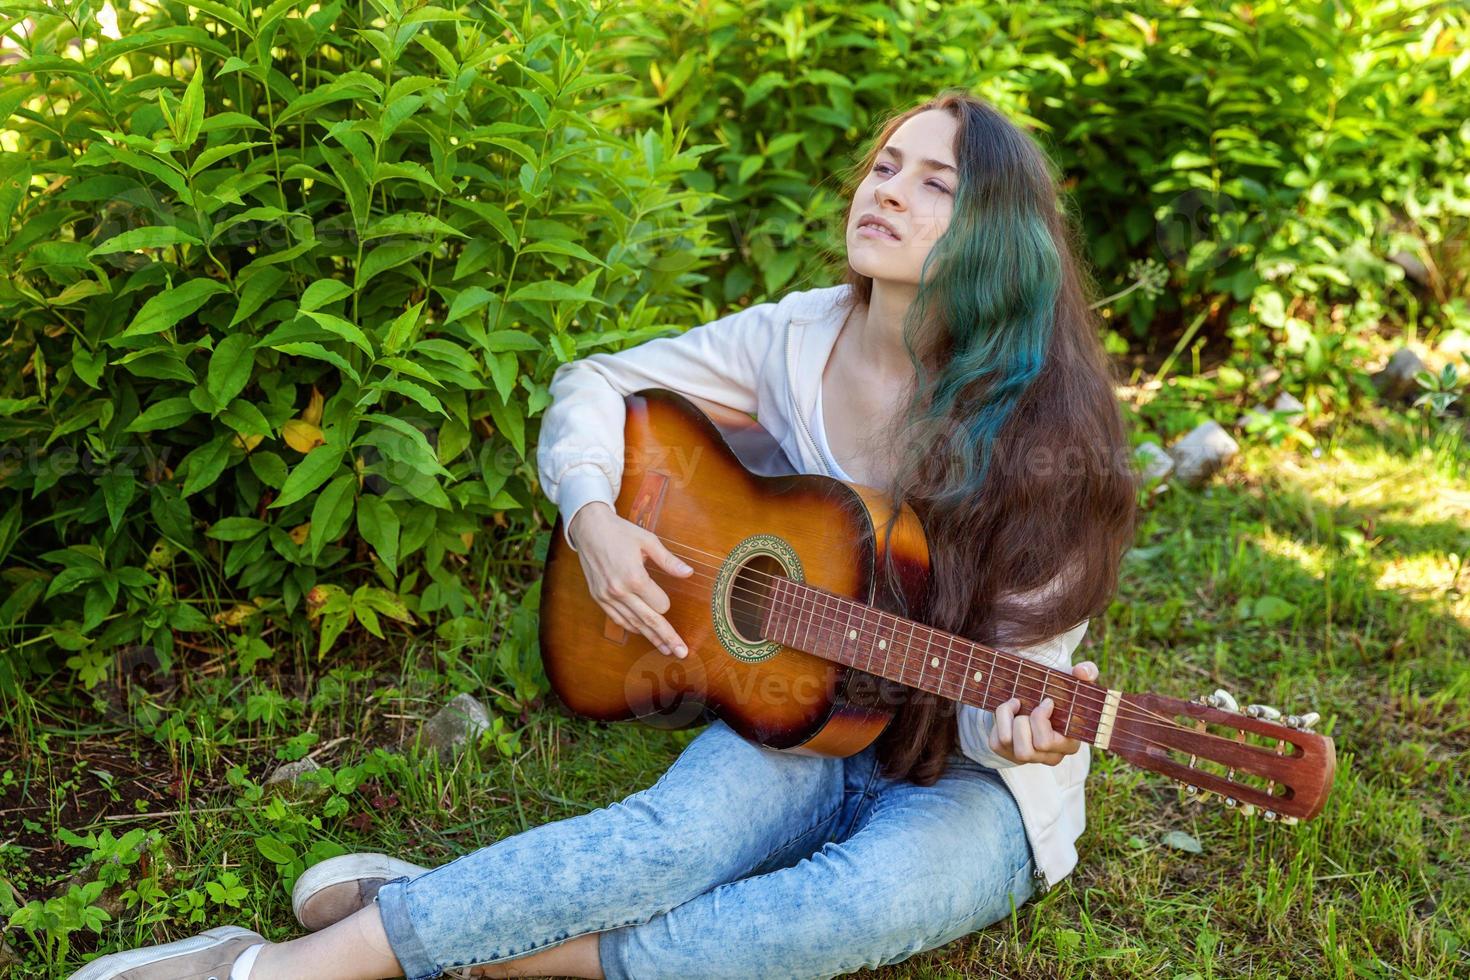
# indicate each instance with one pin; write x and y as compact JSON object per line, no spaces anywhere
{"x":852,"y":634}
{"x":977,"y":676}
{"x":933,"y":661}
{"x":882,"y":644}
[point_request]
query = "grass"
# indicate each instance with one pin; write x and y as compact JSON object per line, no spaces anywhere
{"x":133,"y":815}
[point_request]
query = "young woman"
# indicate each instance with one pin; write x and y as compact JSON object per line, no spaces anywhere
{"x":958,"y":366}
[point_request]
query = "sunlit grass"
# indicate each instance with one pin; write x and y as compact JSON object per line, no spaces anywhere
{"x":1352,"y":550}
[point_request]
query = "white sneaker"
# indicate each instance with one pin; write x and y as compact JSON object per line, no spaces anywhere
{"x":207,"y":956}
{"x":337,"y":887}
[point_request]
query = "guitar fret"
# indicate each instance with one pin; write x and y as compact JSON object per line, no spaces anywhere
{"x":824,"y":632}
{"x":879,"y":642}
{"x":1071,"y":703}
{"x":807,"y":610}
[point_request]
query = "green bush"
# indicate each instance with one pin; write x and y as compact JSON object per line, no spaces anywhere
{"x":284,"y":291}
{"x":285,"y":286}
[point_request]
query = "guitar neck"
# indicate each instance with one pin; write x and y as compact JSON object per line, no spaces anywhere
{"x":855,"y":634}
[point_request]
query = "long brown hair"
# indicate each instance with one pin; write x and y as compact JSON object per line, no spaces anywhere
{"x":1015,"y":452}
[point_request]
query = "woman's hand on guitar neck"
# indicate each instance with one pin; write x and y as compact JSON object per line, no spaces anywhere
{"x":612,"y":550}
{"x":1030,"y":738}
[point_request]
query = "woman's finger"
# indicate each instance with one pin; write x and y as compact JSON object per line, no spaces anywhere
{"x":1021,"y":740}
{"x":1043,"y":738}
{"x":655,"y":627}
{"x":1004,"y":715}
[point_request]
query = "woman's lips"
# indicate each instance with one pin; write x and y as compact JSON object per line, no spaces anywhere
{"x":875,"y":231}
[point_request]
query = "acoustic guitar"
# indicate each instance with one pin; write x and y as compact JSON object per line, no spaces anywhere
{"x":794,"y":643}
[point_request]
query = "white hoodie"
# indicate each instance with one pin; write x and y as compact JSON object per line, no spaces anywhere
{"x":767,"y":360}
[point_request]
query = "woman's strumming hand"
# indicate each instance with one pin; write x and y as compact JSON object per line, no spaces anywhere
{"x":612,"y":550}
{"x":1030,"y":738}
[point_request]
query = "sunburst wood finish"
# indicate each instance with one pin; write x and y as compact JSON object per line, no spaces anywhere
{"x":712,"y":502}
{"x":805,"y":651}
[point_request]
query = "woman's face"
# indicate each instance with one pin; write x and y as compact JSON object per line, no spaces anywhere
{"x":911,"y":186}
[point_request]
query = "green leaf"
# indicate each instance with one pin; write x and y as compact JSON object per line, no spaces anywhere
{"x":345,"y":329}
{"x":377,"y":522}
{"x":410,"y":223}
{"x":309,"y":349}
{"x":169,"y":307}
{"x":243,"y":417}
{"x":205,"y":464}
{"x":191,"y":107}
{"x":410,"y":390}
{"x":323,"y":292}
{"x":467,"y":302}
{"x":236,"y":528}
{"x":215,"y":154}
{"x":427,"y":460}
{"x":257,"y":288}
{"x":153,"y":236}
{"x":10,"y":529}
{"x":389,"y":256}
{"x":553,"y":291}
{"x":401,"y":330}
{"x":511,"y":423}
{"x":274,"y":850}
{"x":310,"y":473}
{"x":118,"y":487}
{"x":230,"y":368}
{"x":331,"y":512}
{"x":170,"y":413}
{"x":558,"y":247}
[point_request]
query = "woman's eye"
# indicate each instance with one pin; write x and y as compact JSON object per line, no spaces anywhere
{"x":883,"y":168}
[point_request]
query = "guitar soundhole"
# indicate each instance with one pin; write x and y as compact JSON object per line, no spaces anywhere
{"x":750,"y":595}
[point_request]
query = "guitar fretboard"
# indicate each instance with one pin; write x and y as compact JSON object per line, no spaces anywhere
{"x":849,"y":632}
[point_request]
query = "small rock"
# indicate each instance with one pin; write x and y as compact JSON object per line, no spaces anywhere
{"x":1287,"y":402}
{"x":458,"y":722}
{"x":1454,"y":345}
{"x":1250,"y":413}
{"x":1202,"y":453}
{"x":287,"y":777}
{"x":1412,"y":266}
{"x":9,"y":959}
{"x":1152,"y":462}
{"x":1396,"y":380}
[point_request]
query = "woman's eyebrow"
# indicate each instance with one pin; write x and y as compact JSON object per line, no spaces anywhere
{"x":932,"y":163}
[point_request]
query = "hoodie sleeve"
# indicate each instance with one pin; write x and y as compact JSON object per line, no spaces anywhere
{"x":579,"y":456}
{"x":975,"y":723}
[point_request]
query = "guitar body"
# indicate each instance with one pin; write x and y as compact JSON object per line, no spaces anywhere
{"x":718,"y":491}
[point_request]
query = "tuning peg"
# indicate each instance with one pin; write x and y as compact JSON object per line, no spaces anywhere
{"x":1290,"y":820}
{"x":1220,"y":699}
{"x":1262,"y":711}
{"x":1230,"y":802}
{"x":1249,"y":810}
{"x":1270,"y":815}
{"x":1303,"y":722}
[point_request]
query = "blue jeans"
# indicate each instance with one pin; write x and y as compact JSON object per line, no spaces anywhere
{"x":740,"y":861}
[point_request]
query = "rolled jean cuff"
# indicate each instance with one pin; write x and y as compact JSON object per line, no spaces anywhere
{"x":402,"y":939}
{"x":610,"y":953}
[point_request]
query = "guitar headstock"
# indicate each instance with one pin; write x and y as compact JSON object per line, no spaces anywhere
{"x":1253,"y":758}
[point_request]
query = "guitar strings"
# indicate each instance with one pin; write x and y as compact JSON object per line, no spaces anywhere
{"x":1093,"y":698}
{"x":1125,"y":710}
